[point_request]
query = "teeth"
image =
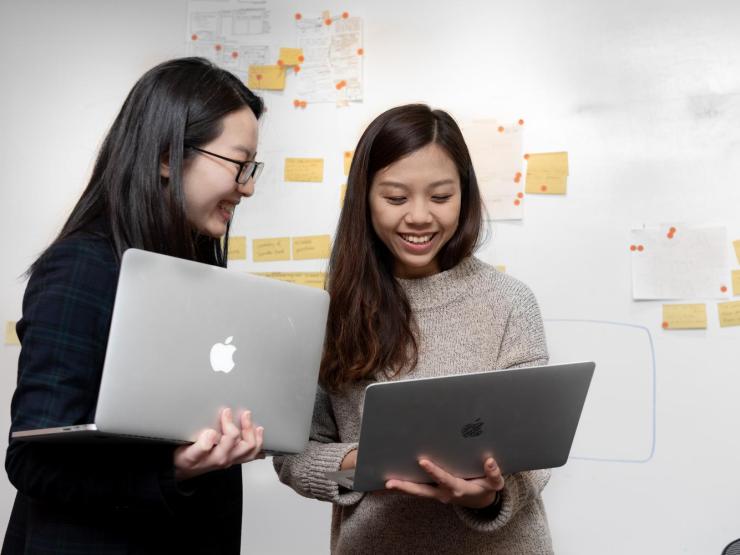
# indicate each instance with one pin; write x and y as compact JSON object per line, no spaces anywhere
{"x":417,"y":239}
{"x":228,"y":207}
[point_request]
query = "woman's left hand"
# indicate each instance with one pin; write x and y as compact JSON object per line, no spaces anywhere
{"x":475,"y":493}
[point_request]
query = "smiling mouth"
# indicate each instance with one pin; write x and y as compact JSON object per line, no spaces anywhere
{"x":418,"y":240}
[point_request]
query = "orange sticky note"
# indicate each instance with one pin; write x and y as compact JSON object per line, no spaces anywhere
{"x":684,"y":316}
{"x":237,"y":248}
{"x":269,"y":250}
{"x":311,"y":279}
{"x":291,"y":56}
{"x":347,"y":161}
{"x":544,"y":184}
{"x":736,"y":282}
{"x":311,"y":247}
{"x":553,"y":163}
{"x":269,"y":78}
{"x":547,"y":173}
{"x":11,"y":338}
{"x":304,"y":169}
{"x":729,"y":314}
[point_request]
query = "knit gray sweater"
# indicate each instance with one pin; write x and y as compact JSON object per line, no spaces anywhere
{"x":470,"y":318}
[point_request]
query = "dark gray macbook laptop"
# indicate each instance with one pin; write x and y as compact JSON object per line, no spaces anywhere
{"x":188,"y":339}
{"x":524,"y":418}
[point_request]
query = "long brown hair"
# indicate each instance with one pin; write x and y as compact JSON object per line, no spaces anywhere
{"x":371,"y":327}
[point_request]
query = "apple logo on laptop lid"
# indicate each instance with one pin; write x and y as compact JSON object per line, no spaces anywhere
{"x":222,"y":356}
{"x":472,"y":429}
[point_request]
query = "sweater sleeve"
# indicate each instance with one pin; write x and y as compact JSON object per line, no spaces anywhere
{"x":522,"y":345}
{"x":64,"y":329}
{"x":305,"y":471}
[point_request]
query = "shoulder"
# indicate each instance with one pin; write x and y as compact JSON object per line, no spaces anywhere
{"x":82,"y":268}
{"x":85,"y":254}
{"x":496,"y":286}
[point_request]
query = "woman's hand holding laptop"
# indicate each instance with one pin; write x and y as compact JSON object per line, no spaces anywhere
{"x":216,"y":450}
{"x":475,"y":493}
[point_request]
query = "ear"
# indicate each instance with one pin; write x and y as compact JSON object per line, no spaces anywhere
{"x":164,"y":167}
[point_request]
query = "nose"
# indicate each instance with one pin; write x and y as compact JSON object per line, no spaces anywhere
{"x":247,"y":189}
{"x":418,"y":213}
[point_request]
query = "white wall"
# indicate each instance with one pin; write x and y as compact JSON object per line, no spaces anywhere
{"x":645,"y":97}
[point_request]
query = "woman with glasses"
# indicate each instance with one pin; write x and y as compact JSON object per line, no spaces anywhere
{"x":177,"y":160}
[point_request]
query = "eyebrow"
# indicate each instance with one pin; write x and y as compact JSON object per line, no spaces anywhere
{"x":433,"y":185}
{"x":245,"y":150}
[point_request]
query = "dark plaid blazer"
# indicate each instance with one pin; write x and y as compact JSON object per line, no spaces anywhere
{"x":85,"y":498}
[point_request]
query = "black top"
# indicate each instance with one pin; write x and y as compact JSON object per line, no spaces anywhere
{"x":90,"y":498}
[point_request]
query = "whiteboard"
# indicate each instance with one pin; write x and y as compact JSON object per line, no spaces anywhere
{"x":644,"y":97}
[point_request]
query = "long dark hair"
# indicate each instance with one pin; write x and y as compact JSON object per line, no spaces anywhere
{"x":371,"y":327}
{"x":178,"y":103}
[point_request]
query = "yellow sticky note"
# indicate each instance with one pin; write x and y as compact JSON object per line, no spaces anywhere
{"x":238,"y":248}
{"x":544,"y":184}
{"x":290,"y":56}
{"x":268,"y":250}
{"x":304,"y":169}
{"x":10,"y":336}
{"x":501,"y":268}
{"x":311,"y":279}
{"x":342,"y":194}
{"x":736,"y":282}
{"x":314,"y":246}
{"x":729,"y":314}
{"x":348,"y":161}
{"x":684,"y":316}
{"x":736,"y":244}
{"x":270,"y":78}
{"x":551,"y":163}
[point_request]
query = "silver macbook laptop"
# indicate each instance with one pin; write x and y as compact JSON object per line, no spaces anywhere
{"x":188,"y":339}
{"x":524,"y":418}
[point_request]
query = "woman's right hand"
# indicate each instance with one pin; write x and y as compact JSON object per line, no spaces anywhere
{"x":349,"y":461}
{"x":216,"y":450}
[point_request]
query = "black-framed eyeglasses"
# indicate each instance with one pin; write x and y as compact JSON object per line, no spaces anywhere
{"x":247,"y":170}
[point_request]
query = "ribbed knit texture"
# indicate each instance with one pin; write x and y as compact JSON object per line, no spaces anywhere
{"x":471,"y":318}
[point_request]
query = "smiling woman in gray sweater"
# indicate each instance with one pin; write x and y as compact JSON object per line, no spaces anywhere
{"x":409,"y":301}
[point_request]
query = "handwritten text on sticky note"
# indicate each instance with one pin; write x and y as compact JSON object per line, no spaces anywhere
{"x":311,"y":247}
{"x":729,"y":314}
{"x":238,"y":248}
{"x":304,"y":169}
{"x":269,"y":250}
{"x":684,"y":316}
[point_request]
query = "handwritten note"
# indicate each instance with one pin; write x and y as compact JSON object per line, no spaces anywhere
{"x":290,"y":56}
{"x":304,"y":169}
{"x":311,"y":279}
{"x":269,"y":78}
{"x":736,"y":282}
{"x":10,"y":336}
{"x":237,"y":248}
{"x":269,"y":250}
{"x":684,"y":316}
{"x":729,"y":314}
{"x":547,"y":173}
{"x":496,"y":151}
{"x":679,"y":262}
{"x":311,"y":247}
